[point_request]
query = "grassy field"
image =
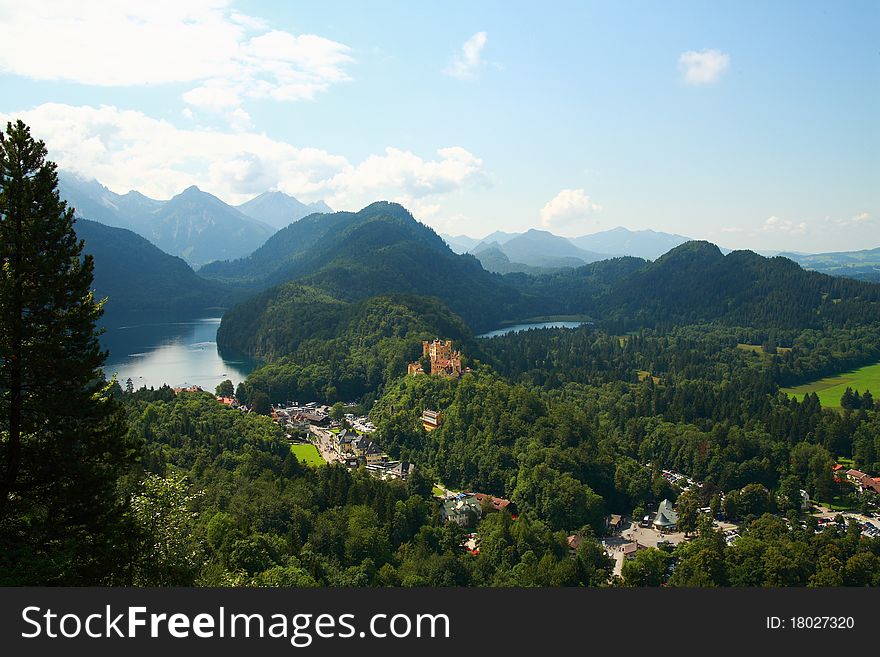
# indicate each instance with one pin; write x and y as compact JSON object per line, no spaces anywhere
{"x":831,"y":388}
{"x":307,"y":453}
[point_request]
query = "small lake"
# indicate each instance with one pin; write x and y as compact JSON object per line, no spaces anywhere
{"x":178,"y":353}
{"x":516,"y":328}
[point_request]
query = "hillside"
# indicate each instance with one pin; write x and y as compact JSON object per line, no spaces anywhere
{"x":494,"y":259}
{"x":347,"y":257}
{"x":696,"y":282}
{"x":379,"y":250}
{"x":319,"y":347}
{"x":140,"y":278}
{"x":279,"y":209}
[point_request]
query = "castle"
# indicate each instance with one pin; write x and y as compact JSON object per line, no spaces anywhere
{"x":444,"y":360}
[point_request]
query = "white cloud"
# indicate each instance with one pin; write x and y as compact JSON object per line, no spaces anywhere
{"x":860,"y":219}
{"x":227,"y":56}
{"x":568,"y":208}
{"x":703,"y":67}
{"x":787,"y":226}
{"x":127,"y":149}
{"x":467,"y":62}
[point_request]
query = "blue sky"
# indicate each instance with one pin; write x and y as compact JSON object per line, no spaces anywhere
{"x":751,"y":124}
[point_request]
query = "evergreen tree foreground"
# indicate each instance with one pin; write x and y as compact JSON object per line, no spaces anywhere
{"x":62,"y":445}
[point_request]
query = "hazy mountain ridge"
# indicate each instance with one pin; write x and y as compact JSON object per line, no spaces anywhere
{"x":194,"y":225}
{"x":537,"y":251}
{"x":279,"y":209}
{"x":862,"y":265}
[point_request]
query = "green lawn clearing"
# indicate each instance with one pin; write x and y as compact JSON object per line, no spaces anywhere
{"x":831,"y":388}
{"x":307,"y":453}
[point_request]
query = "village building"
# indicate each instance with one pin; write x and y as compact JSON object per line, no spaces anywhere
{"x":430,"y":419}
{"x":864,"y":481}
{"x":615,"y":523}
{"x":466,"y":508}
{"x":630,"y":549}
{"x":493,"y":503}
{"x":666,"y":519}
{"x":193,"y":388}
{"x":463,"y":510}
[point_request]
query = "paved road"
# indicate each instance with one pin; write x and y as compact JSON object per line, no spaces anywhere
{"x":323,"y":440}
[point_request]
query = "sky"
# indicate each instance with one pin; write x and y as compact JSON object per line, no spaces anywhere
{"x":750,"y":124}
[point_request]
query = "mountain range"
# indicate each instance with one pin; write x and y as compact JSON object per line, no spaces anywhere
{"x":194,"y":225}
{"x":382,"y":249}
{"x":539,"y":250}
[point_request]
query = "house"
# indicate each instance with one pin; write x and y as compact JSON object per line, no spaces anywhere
{"x":401,"y":470}
{"x":497,"y":503}
{"x":227,"y":401}
{"x":463,"y":510}
{"x":615,"y":523}
{"x":193,"y":388}
{"x":574,"y":543}
{"x":374,"y":454}
{"x":316,"y":419}
{"x":629,"y":549}
{"x":666,"y":519}
{"x":430,"y":419}
{"x":863,"y":481}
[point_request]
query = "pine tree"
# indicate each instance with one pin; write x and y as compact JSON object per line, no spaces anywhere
{"x":62,"y":442}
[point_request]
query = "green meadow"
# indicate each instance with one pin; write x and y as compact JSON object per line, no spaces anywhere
{"x":831,"y":388}
{"x":307,"y":453}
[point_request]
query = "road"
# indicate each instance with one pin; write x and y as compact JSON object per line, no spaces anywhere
{"x":323,"y":440}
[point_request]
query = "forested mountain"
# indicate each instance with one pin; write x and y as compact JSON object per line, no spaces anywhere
{"x":863,"y":265}
{"x":379,"y":250}
{"x":138,"y":277}
{"x":194,"y":225}
{"x":279,"y":209}
{"x":695,"y":282}
{"x":493,"y":259}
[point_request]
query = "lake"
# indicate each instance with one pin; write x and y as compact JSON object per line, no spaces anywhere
{"x":516,"y":328}
{"x":178,"y":353}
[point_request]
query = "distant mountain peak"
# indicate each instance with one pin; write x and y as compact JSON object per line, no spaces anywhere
{"x":279,"y":209}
